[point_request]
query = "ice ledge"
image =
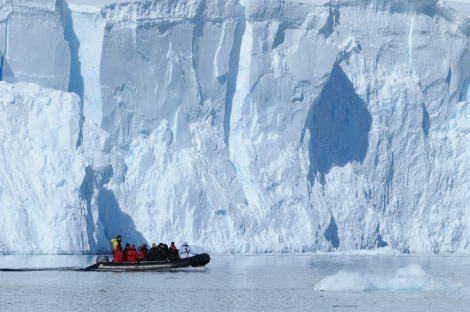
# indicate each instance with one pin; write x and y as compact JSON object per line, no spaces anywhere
{"x":462,"y":7}
{"x":99,"y":2}
{"x":108,"y":2}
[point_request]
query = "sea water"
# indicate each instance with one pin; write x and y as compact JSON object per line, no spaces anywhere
{"x":314,"y":282}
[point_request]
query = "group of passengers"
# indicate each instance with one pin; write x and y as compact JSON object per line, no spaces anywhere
{"x":156,"y":253}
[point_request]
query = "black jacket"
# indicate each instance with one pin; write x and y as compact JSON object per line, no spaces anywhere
{"x":152,"y":255}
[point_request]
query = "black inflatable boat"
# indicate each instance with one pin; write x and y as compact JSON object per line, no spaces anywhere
{"x":103,"y":264}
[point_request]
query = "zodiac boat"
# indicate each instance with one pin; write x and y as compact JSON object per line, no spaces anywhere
{"x":103,"y":264}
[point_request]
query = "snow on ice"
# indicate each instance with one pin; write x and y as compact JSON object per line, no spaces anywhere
{"x":252,"y":126}
{"x":409,"y":278}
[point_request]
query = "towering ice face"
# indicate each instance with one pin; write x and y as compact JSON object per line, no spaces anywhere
{"x":341,"y":87}
{"x":42,"y":170}
{"x":32,"y":44}
{"x":257,"y":126}
{"x":414,"y":81}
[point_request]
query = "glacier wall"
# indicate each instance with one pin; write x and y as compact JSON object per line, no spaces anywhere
{"x":260,"y":126}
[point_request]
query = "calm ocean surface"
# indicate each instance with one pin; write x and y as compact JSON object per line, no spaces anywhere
{"x":238,"y":283}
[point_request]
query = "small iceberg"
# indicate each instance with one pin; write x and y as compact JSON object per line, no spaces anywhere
{"x":409,"y":278}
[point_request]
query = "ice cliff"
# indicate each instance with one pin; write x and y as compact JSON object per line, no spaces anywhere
{"x":259,"y":126}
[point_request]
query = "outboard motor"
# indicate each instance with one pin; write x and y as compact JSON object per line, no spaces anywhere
{"x":102,"y":259}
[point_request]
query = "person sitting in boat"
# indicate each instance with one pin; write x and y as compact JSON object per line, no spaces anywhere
{"x":164,"y":251}
{"x":117,"y":255}
{"x":132,"y":254}
{"x":186,"y":251}
{"x":125,"y":251}
{"x":153,"y":252}
{"x":172,"y":252}
{"x":145,"y":249}
{"x":141,"y":253}
{"x":116,"y":242}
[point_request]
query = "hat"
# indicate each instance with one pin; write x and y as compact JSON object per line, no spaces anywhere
{"x":185,"y":243}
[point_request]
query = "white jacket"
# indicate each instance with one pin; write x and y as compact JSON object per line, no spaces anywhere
{"x":185,"y":251}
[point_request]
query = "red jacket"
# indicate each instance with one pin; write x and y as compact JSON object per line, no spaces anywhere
{"x":132,"y":254}
{"x":172,"y":253}
{"x":117,"y":257}
{"x":140,"y":254}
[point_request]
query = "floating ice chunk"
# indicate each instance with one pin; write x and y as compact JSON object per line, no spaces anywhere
{"x":409,"y":278}
{"x":345,"y":281}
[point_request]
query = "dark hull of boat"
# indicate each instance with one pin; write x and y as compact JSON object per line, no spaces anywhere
{"x":196,"y":261}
